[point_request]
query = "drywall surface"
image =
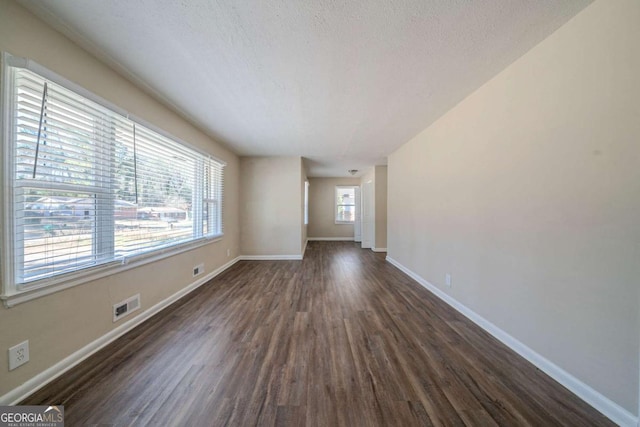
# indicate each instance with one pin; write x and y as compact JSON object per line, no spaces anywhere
{"x":368,"y":199}
{"x":528,"y":194}
{"x":380,"y":207}
{"x":322,"y":208}
{"x":345,"y":82}
{"x":271,"y":205}
{"x":303,"y":183}
{"x":59,"y":324}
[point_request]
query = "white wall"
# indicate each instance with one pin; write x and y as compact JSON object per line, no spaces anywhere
{"x":368,"y":201}
{"x":304,"y":227}
{"x":374,"y":229}
{"x":322,"y":208}
{"x":380,"y":202}
{"x":528,"y":193}
{"x":62,"y":323}
{"x":271,"y":217}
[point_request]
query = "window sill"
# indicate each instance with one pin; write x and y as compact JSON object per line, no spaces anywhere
{"x":70,"y":280}
{"x":344,"y":222}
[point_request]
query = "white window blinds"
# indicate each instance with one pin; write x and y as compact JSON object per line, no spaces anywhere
{"x":90,"y":186}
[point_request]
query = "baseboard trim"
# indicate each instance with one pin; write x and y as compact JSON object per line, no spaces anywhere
{"x":606,"y":406}
{"x":379,"y":249}
{"x":330,"y":239}
{"x":43,"y":378}
{"x":269,"y":257}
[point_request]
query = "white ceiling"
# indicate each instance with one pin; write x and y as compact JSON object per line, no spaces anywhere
{"x":341,"y":83}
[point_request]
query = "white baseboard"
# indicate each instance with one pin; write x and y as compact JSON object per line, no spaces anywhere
{"x":610,"y":409}
{"x":330,"y":239}
{"x":269,"y":257}
{"x":379,"y":249}
{"x":40,"y":380}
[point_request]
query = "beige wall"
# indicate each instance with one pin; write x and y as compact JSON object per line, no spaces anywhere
{"x":528,"y":193}
{"x":270,"y":201}
{"x":380,"y":201}
{"x":61,"y":323}
{"x":322,"y":207}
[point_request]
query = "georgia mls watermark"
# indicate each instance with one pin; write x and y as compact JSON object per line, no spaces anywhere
{"x":31,"y":416}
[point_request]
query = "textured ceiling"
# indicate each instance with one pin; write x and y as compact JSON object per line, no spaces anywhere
{"x":341,"y":83}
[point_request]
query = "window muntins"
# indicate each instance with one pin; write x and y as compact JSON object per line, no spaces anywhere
{"x":87,"y":186}
{"x":345,"y":204}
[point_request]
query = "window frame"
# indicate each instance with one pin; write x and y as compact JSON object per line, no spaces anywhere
{"x":336,"y":205}
{"x":13,"y":293}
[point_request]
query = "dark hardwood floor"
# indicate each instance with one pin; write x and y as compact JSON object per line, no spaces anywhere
{"x":340,"y":338}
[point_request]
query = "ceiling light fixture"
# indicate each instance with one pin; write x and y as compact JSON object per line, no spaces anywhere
{"x":353,"y":171}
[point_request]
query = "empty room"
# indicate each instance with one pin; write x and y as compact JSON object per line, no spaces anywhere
{"x":359,"y":213}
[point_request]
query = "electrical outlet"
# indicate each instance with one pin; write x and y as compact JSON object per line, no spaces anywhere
{"x":228,"y":252}
{"x":18,"y":355}
{"x":448,"y":279}
{"x":198,"y":269}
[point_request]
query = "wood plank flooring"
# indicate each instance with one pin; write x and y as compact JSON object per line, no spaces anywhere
{"x":341,"y":338}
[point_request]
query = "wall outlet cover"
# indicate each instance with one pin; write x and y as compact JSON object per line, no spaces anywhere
{"x":18,"y":355}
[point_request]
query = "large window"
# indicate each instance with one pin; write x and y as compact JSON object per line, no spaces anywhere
{"x":345,"y":208}
{"x":88,"y":186}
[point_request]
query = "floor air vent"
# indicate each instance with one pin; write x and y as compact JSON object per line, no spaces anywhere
{"x":125,"y":307}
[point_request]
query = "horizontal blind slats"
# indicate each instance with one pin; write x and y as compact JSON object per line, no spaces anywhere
{"x":80,"y":210}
